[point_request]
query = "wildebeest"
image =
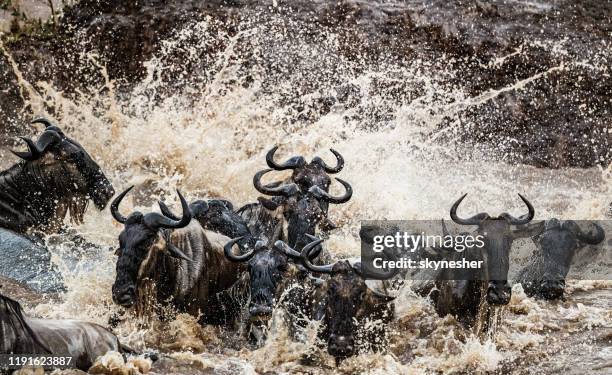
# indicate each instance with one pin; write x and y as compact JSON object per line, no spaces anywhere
{"x":469,"y":294}
{"x":291,"y":213}
{"x":544,"y":276}
{"x":307,"y":175}
{"x":354,"y":314}
{"x":176,"y":260}
{"x":56,"y":176}
{"x":270,"y":270}
{"x":82,"y":341}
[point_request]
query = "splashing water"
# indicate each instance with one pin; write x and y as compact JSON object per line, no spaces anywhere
{"x":204,"y":125}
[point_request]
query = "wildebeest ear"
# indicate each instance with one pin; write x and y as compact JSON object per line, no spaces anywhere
{"x":268,"y":203}
{"x":174,"y":252}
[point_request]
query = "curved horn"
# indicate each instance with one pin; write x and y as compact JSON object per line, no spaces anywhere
{"x":474,"y":220}
{"x":44,"y":121}
{"x":325,"y":196}
{"x":328,"y":169}
{"x":48,"y":124}
{"x":114,"y":208}
{"x":305,"y":257}
{"x":47,"y":139}
{"x":588,"y":238}
{"x":165,"y":210}
{"x":156,"y":221}
{"x":292,"y":163}
{"x":287,"y":250}
{"x":283,"y":190}
{"x":227,"y":250}
{"x":294,"y":254}
{"x":32,"y":153}
{"x":523,"y":219}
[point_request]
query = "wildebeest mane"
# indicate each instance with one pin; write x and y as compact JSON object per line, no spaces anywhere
{"x":32,"y":194}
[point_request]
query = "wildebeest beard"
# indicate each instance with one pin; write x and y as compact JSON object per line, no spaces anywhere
{"x":55,"y":177}
{"x":17,"y":336}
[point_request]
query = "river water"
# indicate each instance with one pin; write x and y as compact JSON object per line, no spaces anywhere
{"x":205,"y":126}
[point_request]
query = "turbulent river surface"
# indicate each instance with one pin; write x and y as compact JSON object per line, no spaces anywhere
{"x":204,"y":126}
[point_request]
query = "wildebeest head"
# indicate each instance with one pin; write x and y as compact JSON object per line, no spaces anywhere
{"x":269,"y":269}
{"x":142,"y":238}
{"x":498,"y":236}
{"x":216,"y":215}
{"x":303,"y":210}
{"x":70,"y":169}
{"x":347,"y":302}
{"x":558,"y":244}
{"x":307,"y":175}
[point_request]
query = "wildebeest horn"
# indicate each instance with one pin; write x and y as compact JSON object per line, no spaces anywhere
{"x":156,"y":221}
{"x":325,"y":196}
{"x":292,"y":163}
{"x":523,"y":219}
{"x":227,"y":250}
{"x":196,"y":208}
{"x":588,"y":238}
{"x":294,"y":254}
{"x":287,"y":250}
{"x":327,"y":168}
{"x":306,"y":260}
{"x":44,"y":121}
{"x":283,"y":190}
{"x":36,"y":150}
{"x":32,"y":154}
{"x":114,"y":208}
{"x":48,"y":124}
{"x":474,"y":220}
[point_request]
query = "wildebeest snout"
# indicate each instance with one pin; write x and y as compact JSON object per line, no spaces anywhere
{"x":552,"y":289}
{"x":125,"y":297}
{"x":499,"y":292}
{"x":341,"y":346}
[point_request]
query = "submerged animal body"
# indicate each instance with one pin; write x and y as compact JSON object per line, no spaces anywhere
{"x":83,"y":342}
{"x":471,"y":294}
{"x":355,"y":315}
{"x":544,"y":276}
{"x":162,"y":260}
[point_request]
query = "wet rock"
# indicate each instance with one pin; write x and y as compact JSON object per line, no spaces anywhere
{"x":20,"y":292}
{"x":29,"y":263}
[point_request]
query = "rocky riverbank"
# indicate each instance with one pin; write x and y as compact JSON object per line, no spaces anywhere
{"x":535,"y":74}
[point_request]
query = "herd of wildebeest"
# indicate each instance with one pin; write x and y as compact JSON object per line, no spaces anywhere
{"x":194,"y":261}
